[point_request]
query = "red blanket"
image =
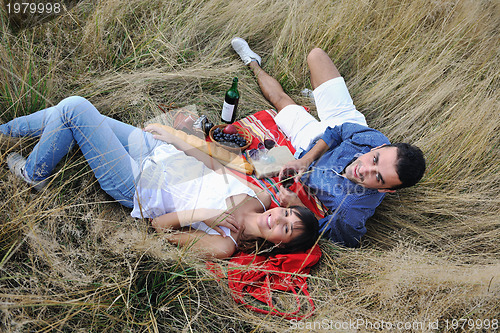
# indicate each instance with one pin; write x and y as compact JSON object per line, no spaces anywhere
{"x":259,"y":276}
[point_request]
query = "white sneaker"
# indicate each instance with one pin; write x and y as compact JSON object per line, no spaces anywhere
{"x":246,"y":54}
{"x":308,"y":93}
{"x":16,"y":165}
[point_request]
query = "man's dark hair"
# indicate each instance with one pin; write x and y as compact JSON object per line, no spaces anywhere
{"x":410,"y":165}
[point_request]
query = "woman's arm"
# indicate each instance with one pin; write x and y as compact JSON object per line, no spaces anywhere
{"x":212,"y":217}
{"x":213,"y":156}
{"x":164,"y":135}
{"x":209,"y":246}
{"x":209,"y":161}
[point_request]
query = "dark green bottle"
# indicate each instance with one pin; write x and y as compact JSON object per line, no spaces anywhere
{"x":230,"y":103}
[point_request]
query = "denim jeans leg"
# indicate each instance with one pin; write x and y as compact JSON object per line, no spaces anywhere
{"x":55,"y":140}
{"x":76,"y":120}
{"x":31,"y":125}
{"x":137,"y":143}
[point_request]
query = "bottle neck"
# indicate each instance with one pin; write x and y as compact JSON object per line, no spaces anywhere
{"x":235,"y":84}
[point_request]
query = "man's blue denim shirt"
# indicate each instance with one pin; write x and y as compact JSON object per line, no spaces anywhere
{"x":350,"y":204}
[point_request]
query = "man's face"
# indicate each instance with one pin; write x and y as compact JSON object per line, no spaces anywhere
{"x":375,"y":169}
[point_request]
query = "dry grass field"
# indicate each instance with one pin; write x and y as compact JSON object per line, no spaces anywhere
{"x":422,"y":71}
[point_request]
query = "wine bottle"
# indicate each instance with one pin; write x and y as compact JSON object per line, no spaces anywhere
{"x":230,"y":103}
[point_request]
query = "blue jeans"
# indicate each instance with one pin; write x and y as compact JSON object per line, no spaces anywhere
{"x":114,"y":150}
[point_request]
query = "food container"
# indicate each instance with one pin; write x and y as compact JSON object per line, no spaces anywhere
{"x":243,"y":132}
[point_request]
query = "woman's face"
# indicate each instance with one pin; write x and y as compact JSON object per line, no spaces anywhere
{"x":279,"y":225}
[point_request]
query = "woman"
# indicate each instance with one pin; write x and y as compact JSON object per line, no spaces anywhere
{"x":152,"y":174}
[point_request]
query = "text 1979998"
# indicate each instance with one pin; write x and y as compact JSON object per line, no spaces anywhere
{"x":33,"y":8}
{"x":471,"y":324}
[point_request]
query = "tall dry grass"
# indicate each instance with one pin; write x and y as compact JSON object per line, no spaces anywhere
{"x":421,"y":71}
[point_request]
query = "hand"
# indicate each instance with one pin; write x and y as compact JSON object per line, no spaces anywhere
{"x":288,"y":198}
{"x":299,"y":166}
{"x":223,"y":219}
{"x":155,"y":128}
{"x":160,"y":133}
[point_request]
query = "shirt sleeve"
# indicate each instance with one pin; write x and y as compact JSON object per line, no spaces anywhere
{"x":346,"y":226}
{"x":357,"y":134}
{"x":332,"y":136}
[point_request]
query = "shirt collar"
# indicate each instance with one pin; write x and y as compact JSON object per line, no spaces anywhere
{"x":343,"y":167}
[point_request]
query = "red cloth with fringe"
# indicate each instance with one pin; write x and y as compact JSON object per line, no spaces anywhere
{"x":258,"y":276}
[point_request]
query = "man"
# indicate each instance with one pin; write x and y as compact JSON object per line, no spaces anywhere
{"x":346,"y":164}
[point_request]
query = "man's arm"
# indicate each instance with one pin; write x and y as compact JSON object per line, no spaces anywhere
{"x":333,"y":137}
{"x":289,"y":198}
{"x":302,"y":164}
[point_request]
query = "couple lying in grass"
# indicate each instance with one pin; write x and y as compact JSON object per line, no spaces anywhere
{"x":161,"y":178}
{"x":347,"y":165}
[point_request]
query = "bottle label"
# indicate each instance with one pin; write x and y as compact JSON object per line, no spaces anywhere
{"x":227,"y":112}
